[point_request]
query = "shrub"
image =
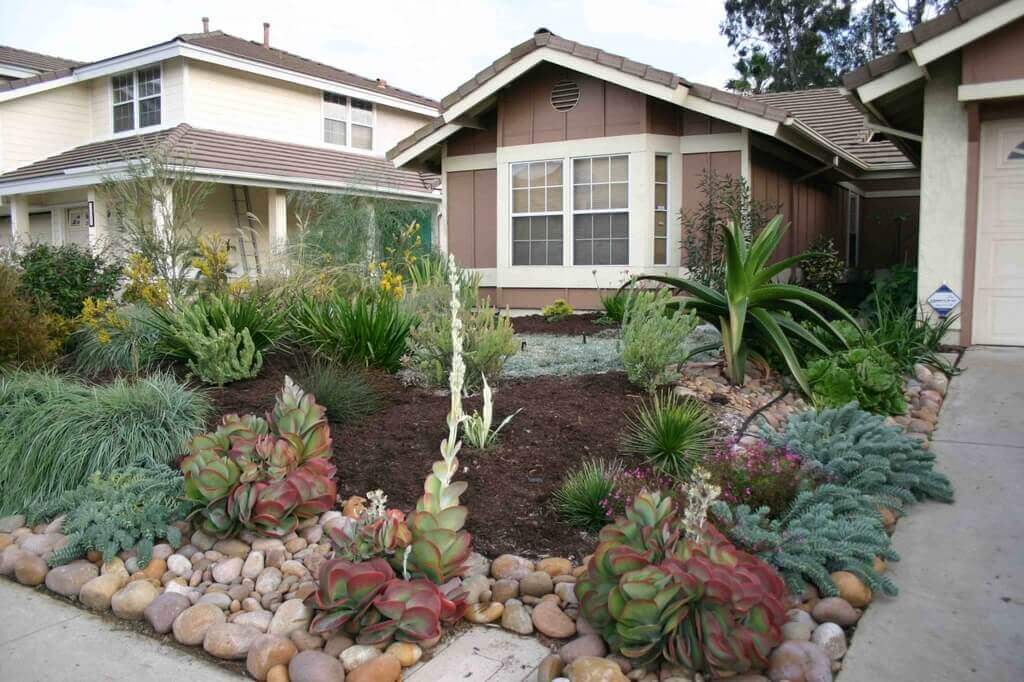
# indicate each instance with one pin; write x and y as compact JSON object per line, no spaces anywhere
{"x":581,"y":499}
{"x":614,"y":306}
{"x":55,"y":433}
{"x":556,"y":311}
{"x":126,"y":346}
{"x":342,"y":390}
{"x":672,"y":435}
{"x":898,"y":287}
{"x":476,"y":427}
{"x":908,"y":337}
{"x":851,"y":447}
{"x":832,"y":528}
{"x":206,"y":315}
{"x":866,"y":375}
{"x":627,"y":483}
{"x":656,"y":593}
{"x":125,"y":509}
{"x":756,"y":475}
{"x":366,"y":329}
{"x":212,"y":265}
{"x":26,"y":338}
{"x":143,"y":286}
{"x":822,"y":269}
{"x":264,"y":475}
{"x":653,"y":338}
{"x":60,"y":278}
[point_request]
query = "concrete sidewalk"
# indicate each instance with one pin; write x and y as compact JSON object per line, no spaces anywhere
{"x":960,"y":613}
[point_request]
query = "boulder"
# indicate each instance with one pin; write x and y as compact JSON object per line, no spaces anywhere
{"x":315,"y":666}
{"x":162,"y":611}
{"x":268,"y":651}
{"x":67,"y":580}
{"x":191,"y":624}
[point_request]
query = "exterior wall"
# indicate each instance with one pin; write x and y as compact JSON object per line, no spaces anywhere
{"x":580,"y":299}
{"x":889,"y":231}
{"x":999,"y":57}
{"x":41,"y":125}
{"x":476,"y":141}
{"x":943,"y":182}
{"x":472,"y":232}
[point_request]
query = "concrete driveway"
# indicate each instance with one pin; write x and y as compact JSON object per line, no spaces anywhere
{"x":960,"y":612}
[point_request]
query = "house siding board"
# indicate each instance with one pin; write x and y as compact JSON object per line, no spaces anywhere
{"x":472,"y":217}
{"x":520,"y":297}
{"x":476,"y":141}
{"x":40,"y":125}
{"x":999,"y":57}
{"x":889,"y":231}
{"x":694,"y":165}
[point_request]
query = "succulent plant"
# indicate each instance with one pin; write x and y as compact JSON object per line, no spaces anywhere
{"x":700,"y":603}
{"x":411,"y":612}
{"x":346,"y":594}
{"x":369,"y":535}
{"x":439,"y":545}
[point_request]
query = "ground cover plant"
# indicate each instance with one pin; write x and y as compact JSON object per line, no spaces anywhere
{"x":549,"y":355}
{"x":654,"y":337}
{"x":56,"y":432}
{"x":867,"y":375}
{"x":756,"y":475}
{"x":670,"y":434}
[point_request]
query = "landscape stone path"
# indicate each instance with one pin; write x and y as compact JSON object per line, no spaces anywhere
{"x":960,"y":612}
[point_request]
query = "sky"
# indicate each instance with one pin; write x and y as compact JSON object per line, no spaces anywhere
{"x":428,"y":47}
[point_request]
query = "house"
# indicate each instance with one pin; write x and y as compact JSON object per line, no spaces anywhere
{"x":952,"y":97}
{"x":565,"y":167}
{"x":253,"y":119}
{"x":16,"y":64}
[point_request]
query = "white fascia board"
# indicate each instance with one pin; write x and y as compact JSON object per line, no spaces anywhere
{"x":735,"y":116}
{"x":718,"y":142}
{"x":894,"y":80}
{"x":993,"y":90}
{"x":468,"y":162}
{"x":967,"y":33}
{"x":436,"y":137}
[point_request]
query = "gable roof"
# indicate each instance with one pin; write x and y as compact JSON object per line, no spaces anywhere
{"x":252,"y":51}
{"x":33,"y":60}
{"x":216,"y":153}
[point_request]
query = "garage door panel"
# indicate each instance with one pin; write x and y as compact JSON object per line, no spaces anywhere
{"x":1002,"y":264}
{"x":1005,"y":311}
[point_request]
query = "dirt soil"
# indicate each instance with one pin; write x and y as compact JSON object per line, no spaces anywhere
{"x":574,"y":325}
{"x":563,"y":421}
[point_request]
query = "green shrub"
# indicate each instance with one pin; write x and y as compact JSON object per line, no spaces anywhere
{"x":671,"y":434}
{"x":851,"y":447}
{"x":909,"y":338}
{"x":60,"y":278}
{"x":343,"y":391}
{"x":123,"y":349}
{"x":822,"y":269}
{"x":868,"y":375}
{"x":757,"y":475}
{"x":221,"y":356}
{"x":368,"y":328}
{"x":124,"y":509}
{"x":898,"y":287}
{"x":259,"y":315}
{"x":614,"y":306}
{"x":55,"y":433}
{"x":556,"y":311}
{"x":26,"y":338}
{"x":581,"y":498}
{"x":654,"y":338}
{"x":832,"y":528}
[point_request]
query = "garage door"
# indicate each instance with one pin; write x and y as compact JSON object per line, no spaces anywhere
{"x":999,"y":270}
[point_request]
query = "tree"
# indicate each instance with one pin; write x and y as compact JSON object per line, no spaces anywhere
{"x":913,"y":12}
{"x":872,"y":33}
{"x":754,"y":72}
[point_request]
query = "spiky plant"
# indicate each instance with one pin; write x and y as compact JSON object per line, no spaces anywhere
{"x":344,"y":391}
{"x":581,"y":499}
{"x":671,"y":434}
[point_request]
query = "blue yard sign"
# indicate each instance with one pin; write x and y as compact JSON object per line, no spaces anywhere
{"x":943,"y":300}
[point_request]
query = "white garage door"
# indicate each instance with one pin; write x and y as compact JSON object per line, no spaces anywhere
{"x":999,"y":269}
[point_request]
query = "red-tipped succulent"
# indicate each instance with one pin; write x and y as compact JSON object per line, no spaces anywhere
{"x":346,"y":593}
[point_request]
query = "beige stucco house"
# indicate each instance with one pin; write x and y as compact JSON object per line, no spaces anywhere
{"x":565,"y":167}
{"x":253,"y":119}
{"x":952,"y":97}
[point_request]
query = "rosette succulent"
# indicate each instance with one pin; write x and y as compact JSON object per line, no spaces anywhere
{"x":346,"y":593}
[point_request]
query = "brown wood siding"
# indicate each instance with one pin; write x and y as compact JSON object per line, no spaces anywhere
{"x":999,"y":56}
{"x":888,"y":231}
{"x":889,"y":184}
{"x":472,"y":217}
{"x":476,"y":141}
{"x":694,"y":165}
{"x":529,"y":298}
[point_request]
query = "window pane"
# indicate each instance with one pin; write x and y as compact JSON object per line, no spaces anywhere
{"x":537,"y":200}
{"x":555,"y":253}
{"x":600,"y":197}
{"x":538,"y":253}
{"x":555,"y":227}
{"x":124,"y":117}
{"x":520,"y":200}
{"x":602,"y":252}
{"x":149,"y":112}
{"x":124,"y":88}
{"x":537,"y":174}
{"x":620,"y":224}
{"x":619,"y":168}
{"x":520,"y":175}
{"x":554,"y":198}
{"x":339,"y":112}
{"x":554,"y":173}
{"x":521,"y":253}
{"x":661,"y":168}
{"x":149,"y":82}
{"x":661,"y":196}
{"x":599,"y":169}
{"x":334,"y":131}
{"x":660,"y":251}
{"x":538,"y":228}
{"x":583,"y":252}
{"x":520,"y":229}
{"x":581,"y":170}
{"x":333,"y":98}
{"x":581,"y":197}
{"x":583,"y":227}
{"x":602,"y":226}
{"x":362,"y":112}
{"x":660,"y":223}
{"x":620,"y":252}
{"x":619,"y":195}
{"x":362,"y":137}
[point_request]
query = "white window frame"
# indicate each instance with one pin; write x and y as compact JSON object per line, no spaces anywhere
{"x":348,"y":122}
{"x":136,"y":100}
{"x":573,"y":212}
{"x":533,"y":214}
{"x":666,"y":209}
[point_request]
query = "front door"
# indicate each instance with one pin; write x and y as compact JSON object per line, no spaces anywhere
{"x":999,"y":267}
{"x":76,"y":227}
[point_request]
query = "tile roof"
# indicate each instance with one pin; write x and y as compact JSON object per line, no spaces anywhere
{"x":922,"y":33}
{"x":829,"y":113}
{"x":33,"y":60}
{"x":226,"y":153}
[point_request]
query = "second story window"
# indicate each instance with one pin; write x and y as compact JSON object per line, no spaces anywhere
{"x":348,"y":121}
{"x":136,"y":98}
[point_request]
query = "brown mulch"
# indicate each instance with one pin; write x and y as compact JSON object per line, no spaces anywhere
{"x":574,"y":325}
{"x":563,"y":421}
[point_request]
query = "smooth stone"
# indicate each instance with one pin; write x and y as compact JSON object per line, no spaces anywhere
{"x":253,"y":565}
{"x":290,"y":615}
{"x":356,"y":655}
{"x":591,"y":669}
{"x":42,"y":544}
{"x":511,"y":566}
{"x":549,"y":668}
{"x":337,"y":643}
{"x":800,"y":632}
{"x":831,"y":639}
{"x":30,"y":569}
{"x":96,"y":593}
{"x":228,"y":570}
{"x":269,"y":580}
{"x":566,"y":592}
{"x":8,"y":559}
{"x":384,"y":668}
{"x":587,"y":645}
{"x":67,"y":580}
{"x":799,"y":662}
{"x":305,"y":640}
{"x":294,"y":568}
{"x":852,"y":589}
{"x":230,"y":641}
{"x":255,"y":619}
{"x":115,"y":566}
{"x":516,"y":618}
{"x":191,"y":624}
{"x":536,"y":584}
{"x":155,"y":569}
{"x":407,"y":653}
{"x":267,"y":652}
{"x":130,"y":601}
{"x":202,"y":540}
{"x":232,"y":547}
{"x":161,"y":612}
{"x":800,"y":616}
{"x":836,"y":610}
{"x":476,"y":564}
{"x":9,"y":524}
{"x":550,"y":620}
{"x":315,"y":666}
{"x":219,"y":599}
{"x":505,"y":589}
{"x":484,"y":613}
{"x":279,"y":673}
{"x":179,"y":565}
{"x":478,"y":589}
{"x":555,"y":566}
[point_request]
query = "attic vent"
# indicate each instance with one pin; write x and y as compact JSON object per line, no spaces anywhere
{"x":565,"y":95}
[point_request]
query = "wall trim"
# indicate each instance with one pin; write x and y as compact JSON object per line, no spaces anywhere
{"x":968,"y":32}
{"x":890,"y":193}
{"x":468,"y":162}
{"x":894,"y":80}
{"x":717,"y":142}
{"x":991,"y":90}
{"x":972,"y":210}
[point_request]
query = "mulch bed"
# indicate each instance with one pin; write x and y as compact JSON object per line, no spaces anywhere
{"x":574,"y":325}
{"x":564,"y":420}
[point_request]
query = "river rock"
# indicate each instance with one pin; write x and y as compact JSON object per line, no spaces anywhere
{"x":130,"y":601}
{"x":566,"y":592}
{"x":269,"y":580}
{"x":383,"y":668}
{"x":478,"y":589}
{"x":30,"y":569}
{"x":179,"y":565}
{"x":852,"y":589}
{"x":279,"y":673}
{"x":476,"y":564}
{"x":161,"y":612}
{"x":536,"y":584}
{"x":8,"y":558}
{"x":306,"y":640}
{"x":232,"y":547}
{"x":230,"y":641}
{"x":555,"y":566}
{"x":43,"y":544}
{"x":67,"y":580}
{"x":831,"y":639}
{"x":511,"y":566}
{"x":337,"y":643}
{"x":516,"y":618}
{"x":591,"y":669}
{"x":267,"y":651}
{"x":219,"y":599}
{"x":291,"y":615}
{"x":96,"y":593}
{"x":503,"y":590}
{"x":799,"y":662}
{"x":407,"y":653}
{"x":315,"y":666}
{"x":587,"y":645}
{"x":254,"y":619}
{"x":836,"y":610}
{"x":800,"y":632}
{"x":482,"y":614}
{"x":357,"y":655}
{"x":227,"y":570}
{"x":253,"y":565}
{"x":549,"y":668}
{"x":191,"y":624}
{"x":9,"y":524}
{"x":551,"y":621}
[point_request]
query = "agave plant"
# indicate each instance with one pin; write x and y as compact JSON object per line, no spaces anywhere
{"x":653,"y":593}
{"x":346,"y":592}
{"x":753,"y":311}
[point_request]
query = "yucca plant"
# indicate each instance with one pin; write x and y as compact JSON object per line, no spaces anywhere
{"x":754,"y":311}
{"x":671,"y":434}
{"x":476,"y":427}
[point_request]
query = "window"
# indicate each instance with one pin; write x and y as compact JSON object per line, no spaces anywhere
{"x":853,"y":231}
{"x":661,"y":210}
{"x":348,"y":121}
{"x":136,"y":98}
{"x":537,"y":213}
{"x":600,"y":196}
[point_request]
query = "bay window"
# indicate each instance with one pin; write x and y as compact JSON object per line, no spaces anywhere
{"x":600,"y":211}
{"x":136,"y":99}
{"x":537,"y":213}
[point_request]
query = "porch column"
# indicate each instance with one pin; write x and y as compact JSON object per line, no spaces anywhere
{"x":163,"y":215}
{"x":58,"y":231}
{"x":277,"y":227}
{"x":99,"y":231}
{"x":21,"y":235}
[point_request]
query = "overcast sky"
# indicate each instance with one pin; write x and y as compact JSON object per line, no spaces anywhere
{"x":429,"y":47}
